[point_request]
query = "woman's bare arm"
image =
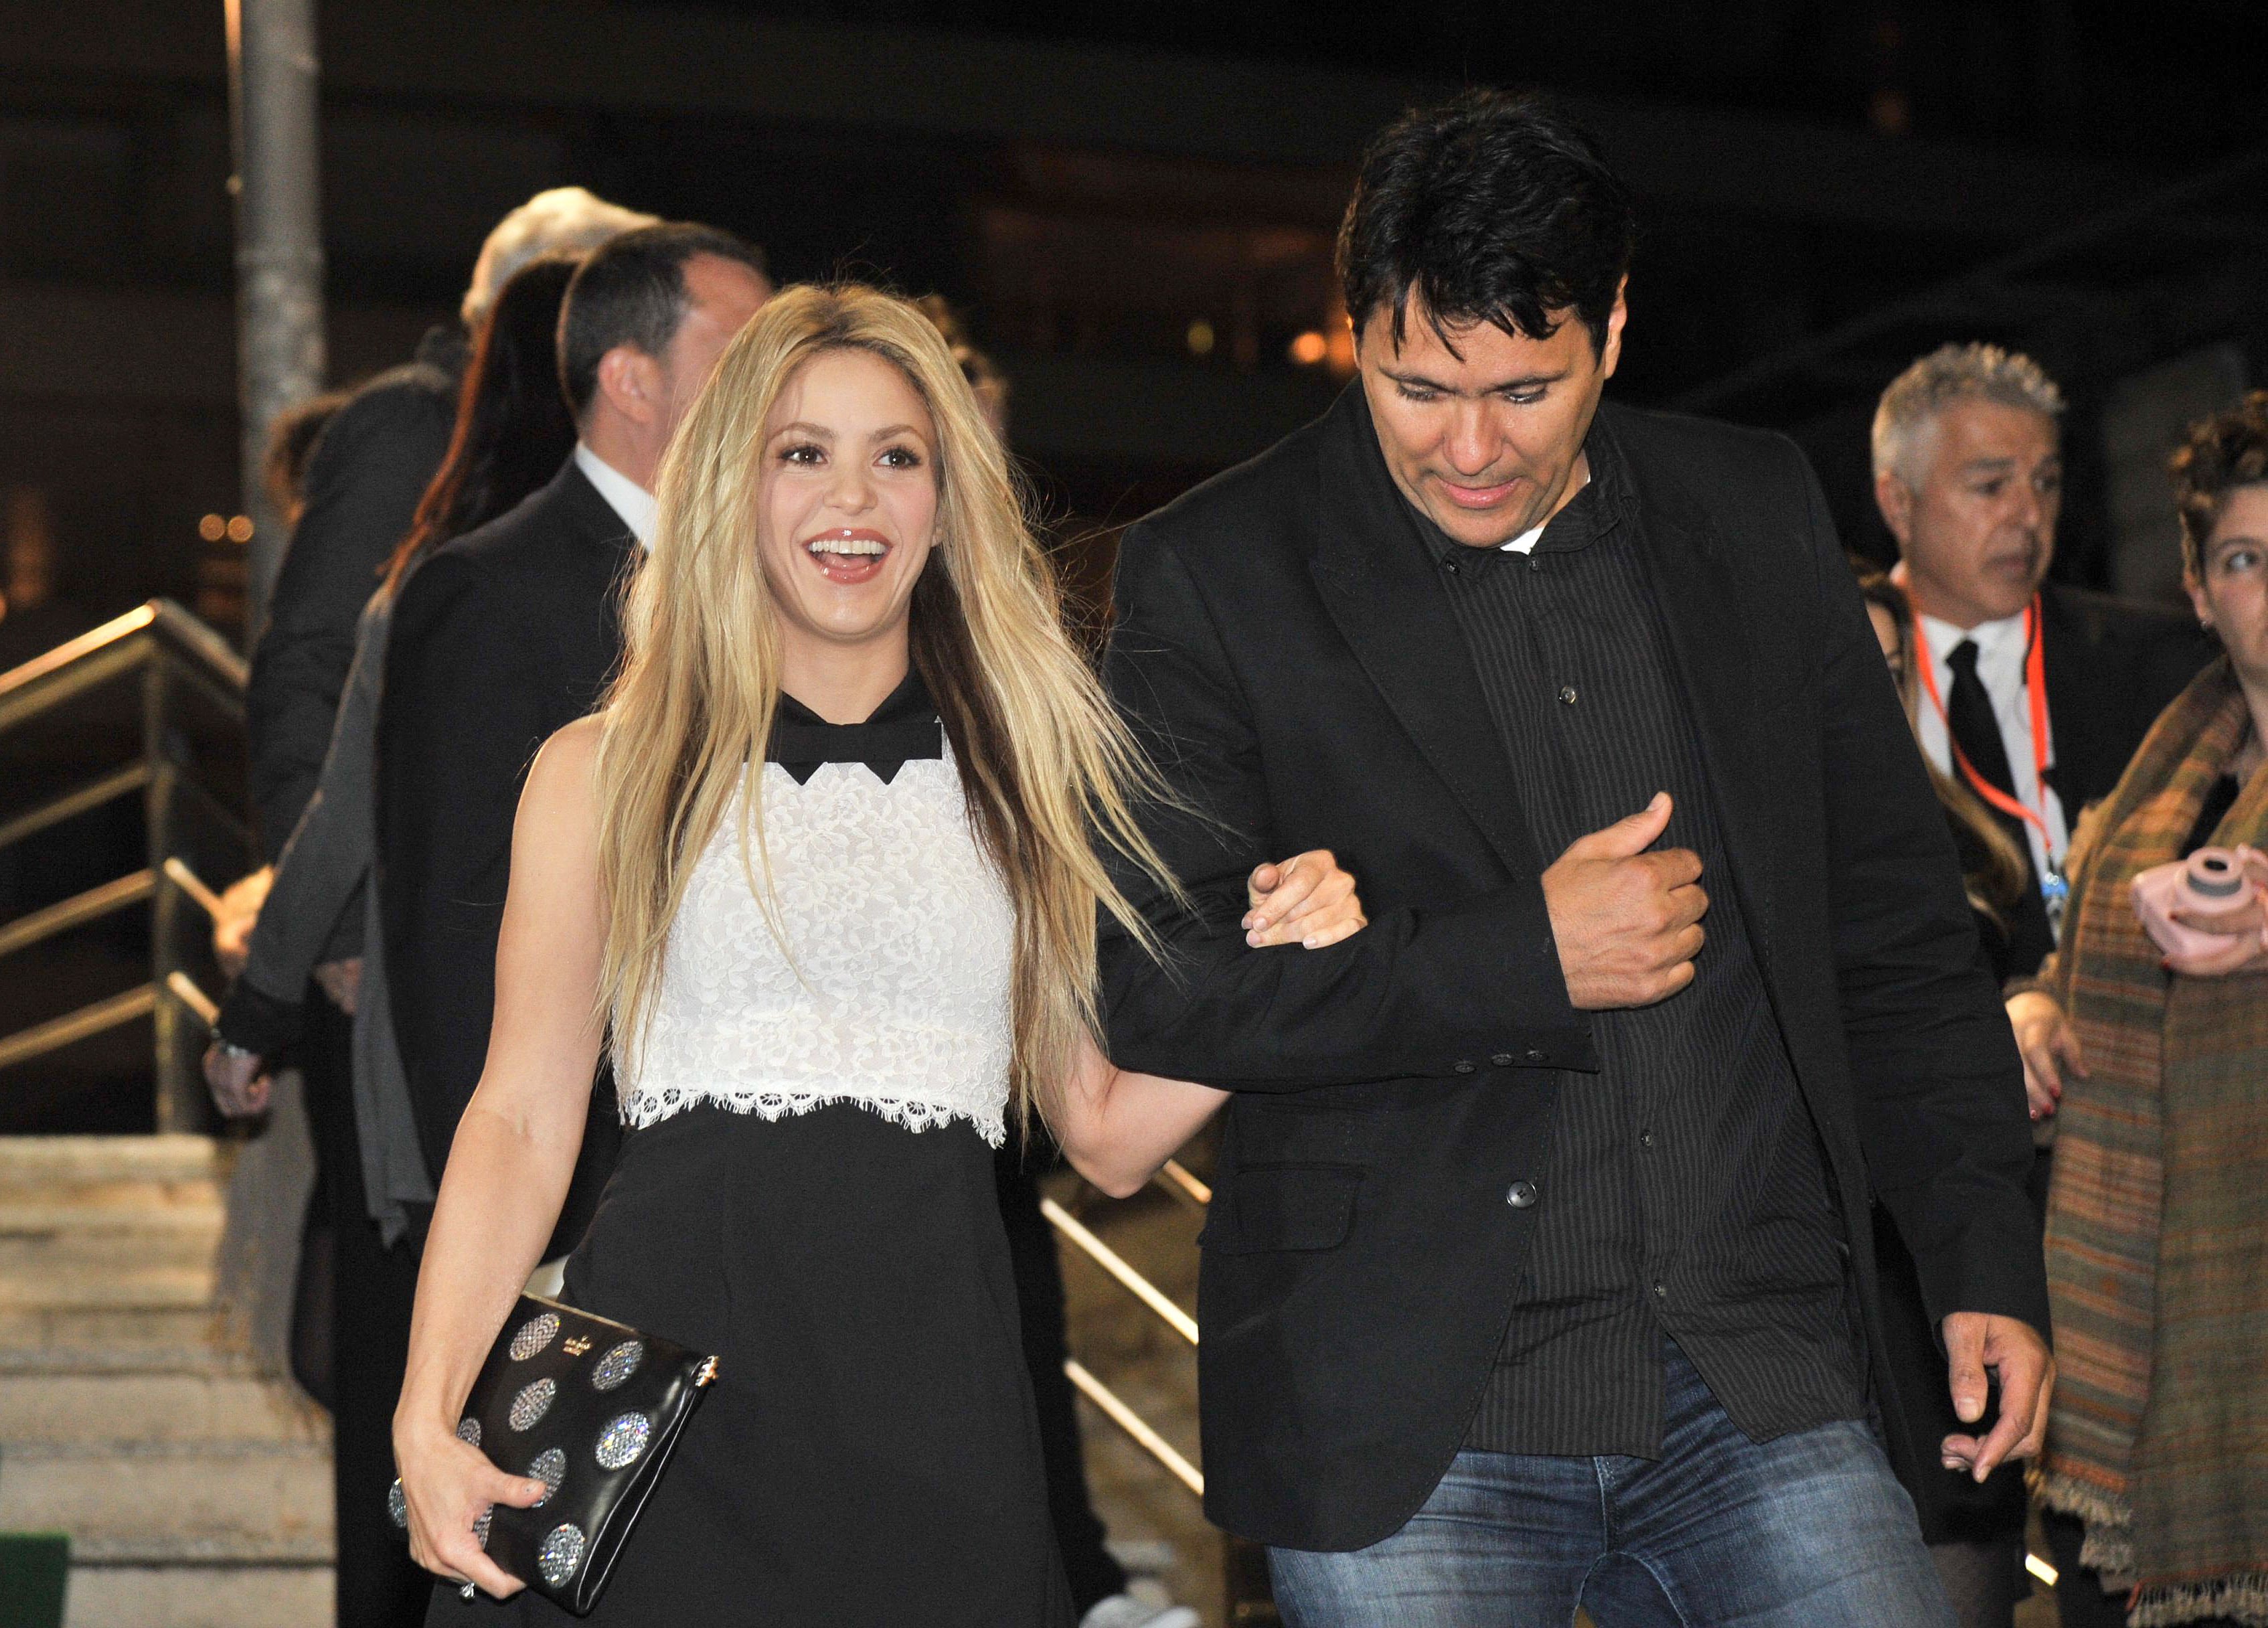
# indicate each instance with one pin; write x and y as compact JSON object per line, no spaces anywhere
{"x":511,"y":1160}
{"x":1118,"y":1128}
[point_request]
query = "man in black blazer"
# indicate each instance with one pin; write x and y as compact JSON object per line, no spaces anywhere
{"x":510,"y":633}
{"x":1538,"y":1262}
{"x":369,"y":473}
{"x":1969,"y":475}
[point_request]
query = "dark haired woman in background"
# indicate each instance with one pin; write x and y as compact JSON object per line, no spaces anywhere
{"x":513,"y":432}
{"x":2155,"y":1474}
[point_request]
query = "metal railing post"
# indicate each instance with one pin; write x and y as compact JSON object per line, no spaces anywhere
{"x":176,"y":1108}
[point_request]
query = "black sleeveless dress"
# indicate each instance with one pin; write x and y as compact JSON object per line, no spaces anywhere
{"x":808,"y":1193}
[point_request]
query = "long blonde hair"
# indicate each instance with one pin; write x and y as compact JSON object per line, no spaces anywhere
{"x":1046,"y":768}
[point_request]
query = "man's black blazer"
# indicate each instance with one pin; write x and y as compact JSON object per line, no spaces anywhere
{"x":2112,"y":667}
{"x":1284,"y":645}
{"x":499,"y":639}
{"x":377,"y":456}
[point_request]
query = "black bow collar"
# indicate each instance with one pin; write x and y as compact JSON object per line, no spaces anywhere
{"x":903,"y":728}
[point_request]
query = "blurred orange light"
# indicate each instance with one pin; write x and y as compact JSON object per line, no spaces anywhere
{"x":239,"y":528}
{"x":1201,"y":337}
{"x":212,"y":528}
{"x":1310,"y":349}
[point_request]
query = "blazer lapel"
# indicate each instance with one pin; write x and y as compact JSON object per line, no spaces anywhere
{"x":1699,"y":609}
{"x":1380,"y":585}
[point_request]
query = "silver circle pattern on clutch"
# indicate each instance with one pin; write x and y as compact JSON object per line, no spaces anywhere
{"x":397,"y":1505}
{"x":561,"y":1552}
{"x":481,"y":1524}
{"x":549,"y":1468}
{"x":623,"y":1439}
{"x":533,"y":1403}
{"x":468,"y":1431}
{"x":533,"y":1335}
{"x":618,"y":1365}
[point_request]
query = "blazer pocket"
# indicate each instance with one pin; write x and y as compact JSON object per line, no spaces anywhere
{"x":1282,"y":1207}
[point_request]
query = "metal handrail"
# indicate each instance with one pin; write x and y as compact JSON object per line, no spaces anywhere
{"x":1176,"y":1180}
{"x":172,"y":653}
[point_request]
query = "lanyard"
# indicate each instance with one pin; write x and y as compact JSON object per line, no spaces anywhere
{"x":2035,"y":691}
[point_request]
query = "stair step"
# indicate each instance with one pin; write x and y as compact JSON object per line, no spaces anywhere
{"x":184,"y":1240}
{"x":188,"y":1357}
{"x":93,"y":1160}
{"x":110,"y":1288}
{"x":160,"y":1330}
{"x":206,"y":1502}
{"x":83,"y":1408}
{"x":199,"y":1596}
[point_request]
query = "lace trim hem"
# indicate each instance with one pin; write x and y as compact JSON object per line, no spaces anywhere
{"x":915,"y":1114}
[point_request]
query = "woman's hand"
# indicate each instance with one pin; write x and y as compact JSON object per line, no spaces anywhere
{"x":447,"y":1484}
{"x":240,"y":914}
{"x":238,"y":1081}
{"x":1307,"y":900}
{"x":2050,"y":1045}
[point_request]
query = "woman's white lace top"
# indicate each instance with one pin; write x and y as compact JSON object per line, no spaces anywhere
{"x":902,"y":934}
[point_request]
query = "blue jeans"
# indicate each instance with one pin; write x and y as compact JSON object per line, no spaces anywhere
{"x":1808,"y":1531}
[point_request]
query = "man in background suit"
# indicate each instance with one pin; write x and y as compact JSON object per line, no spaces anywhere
{"x":511,"y":632}
{"x":1537,"y":1269}
{"x":1969,"y":475}
{"x":377,"y":456}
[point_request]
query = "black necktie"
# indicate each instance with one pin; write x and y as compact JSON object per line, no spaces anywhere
{"x":1975,"y":731}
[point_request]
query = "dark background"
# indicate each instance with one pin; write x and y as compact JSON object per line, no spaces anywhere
{"x":1826,"y":190}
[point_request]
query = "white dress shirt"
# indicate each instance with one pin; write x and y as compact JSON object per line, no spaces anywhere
{"x":2000,"y":652}
{"x":625,"y":496}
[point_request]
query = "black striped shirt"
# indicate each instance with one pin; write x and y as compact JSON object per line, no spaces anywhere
{"x":1685,"y":1189}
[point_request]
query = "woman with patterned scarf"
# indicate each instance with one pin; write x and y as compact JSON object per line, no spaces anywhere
{"x":2157,"y":1239}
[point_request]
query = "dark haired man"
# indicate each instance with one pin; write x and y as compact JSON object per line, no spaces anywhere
{"x":1538,"y":1267}
{"x":509,"y":633}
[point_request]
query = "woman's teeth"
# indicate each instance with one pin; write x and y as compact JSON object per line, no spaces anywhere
{"x":847,"y":545}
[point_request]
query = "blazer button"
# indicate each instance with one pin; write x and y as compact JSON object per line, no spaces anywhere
{"x":1522,"y":1196}
{"x":1463,"y":1067}
{"x":1567,"y":695}
{"x":1534,"y":1055}
{"x":1502,"y":1059}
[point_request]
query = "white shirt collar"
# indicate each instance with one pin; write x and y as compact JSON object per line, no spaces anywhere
{"x":1525,"y":543}
{"x":625,"y":496}
{"x":2001,"y":651}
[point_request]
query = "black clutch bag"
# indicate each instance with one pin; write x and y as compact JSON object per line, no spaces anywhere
{"x":591,"y":1409}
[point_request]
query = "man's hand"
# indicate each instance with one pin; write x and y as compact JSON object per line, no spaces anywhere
{"x":238,"y":1081}
{"x":1307,"y":899}
{"x":1974,"y":1342}
{"x":1627,"y":922}
{"x":2050,"y":1046}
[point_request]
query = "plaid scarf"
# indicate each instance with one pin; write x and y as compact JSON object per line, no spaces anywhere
{"x":2157,"y":1241}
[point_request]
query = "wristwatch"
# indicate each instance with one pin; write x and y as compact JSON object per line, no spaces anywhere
{"x":233,"y":1052}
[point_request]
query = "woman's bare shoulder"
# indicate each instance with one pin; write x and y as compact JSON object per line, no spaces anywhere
{"x":562,"y":790}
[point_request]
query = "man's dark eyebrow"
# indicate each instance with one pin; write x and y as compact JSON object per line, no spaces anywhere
{"x":1528,"y":381}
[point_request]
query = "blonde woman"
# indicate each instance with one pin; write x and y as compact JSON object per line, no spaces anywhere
{"x":826,"y":867}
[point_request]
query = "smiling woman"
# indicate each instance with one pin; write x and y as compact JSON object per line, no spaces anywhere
{"x":825,"y":867}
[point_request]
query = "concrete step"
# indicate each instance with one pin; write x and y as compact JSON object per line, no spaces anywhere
{"x":199,"y":1596}
{"x":60,"y":1240}
{"x":208,"y":1503}
{"x":160,"y":1331}
{"x":85,"y":1409}
{"x":87,"y":1162}
{"x":113,"y":1288}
